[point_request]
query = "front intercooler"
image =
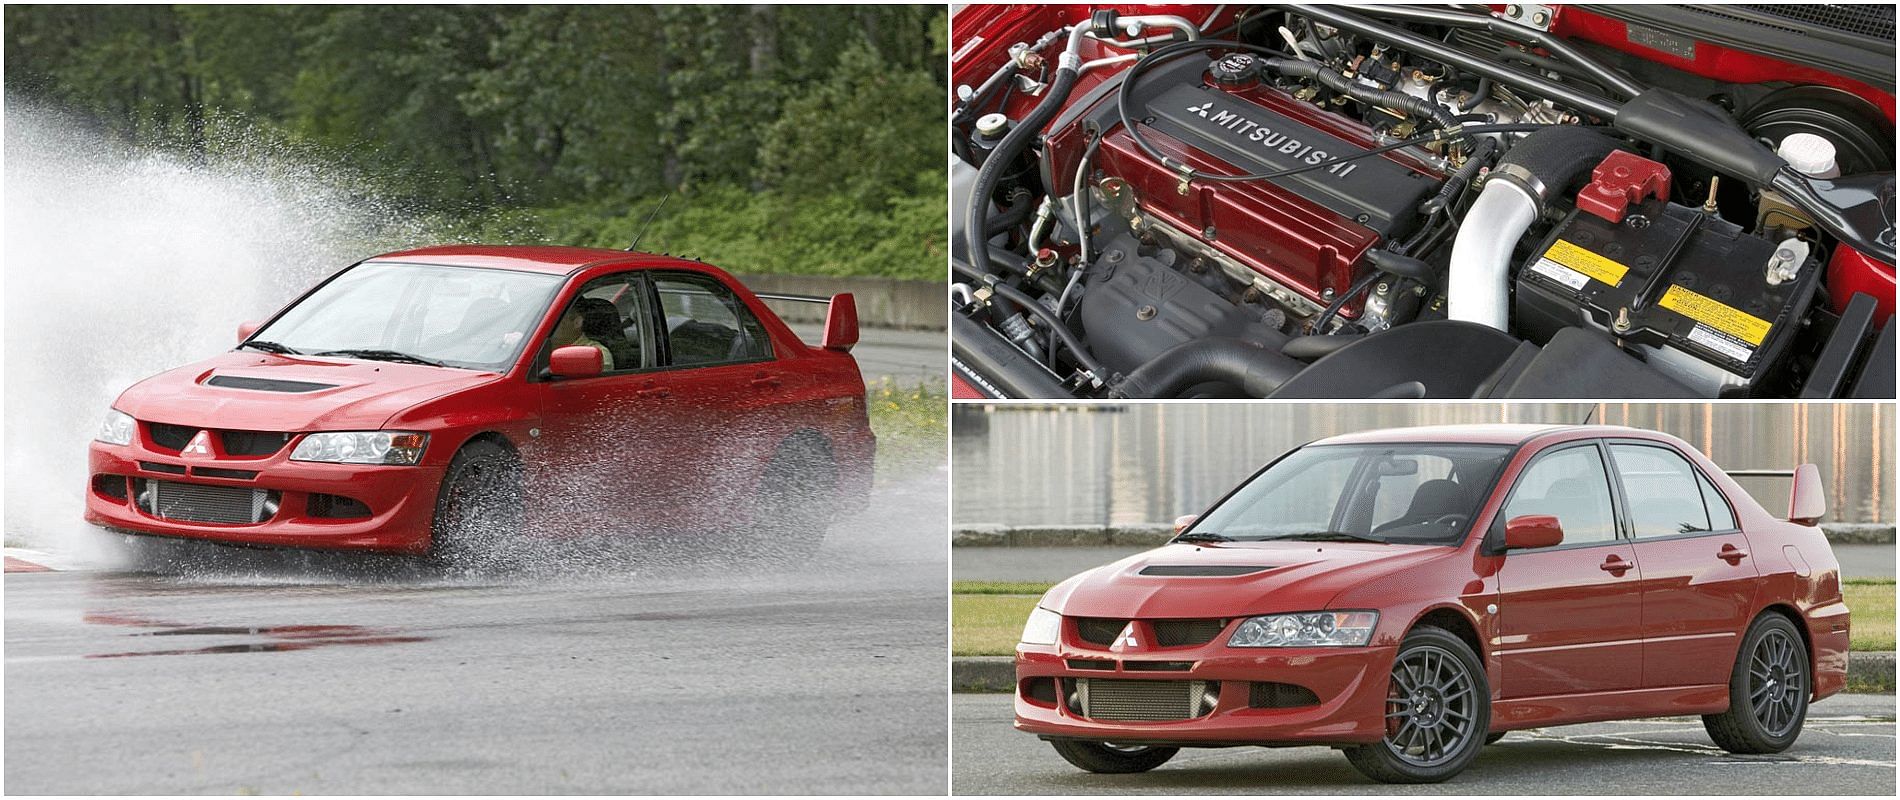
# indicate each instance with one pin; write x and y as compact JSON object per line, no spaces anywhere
{"x":1145,"y":701}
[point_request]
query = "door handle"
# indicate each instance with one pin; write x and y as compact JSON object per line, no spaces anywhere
{"x":1732,"y":554}
{"x":1616,"y":566}
{"x":764,"y":381}
{"x":651,"y":390}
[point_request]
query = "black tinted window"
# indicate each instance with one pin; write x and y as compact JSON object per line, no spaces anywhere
{"x":1661,"y":490}
{"x":706,"y":323}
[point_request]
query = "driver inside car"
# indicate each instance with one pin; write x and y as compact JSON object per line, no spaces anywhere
{"x":581,"y":320}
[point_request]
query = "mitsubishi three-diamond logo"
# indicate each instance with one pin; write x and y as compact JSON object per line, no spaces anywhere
{"x":200,"y":446}
{"x":1127,"y":640}
{"x":1202,"y":108}
{"x":1252,"y":135}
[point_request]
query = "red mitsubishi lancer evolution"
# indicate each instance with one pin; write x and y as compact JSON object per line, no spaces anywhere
{"x":420,"y":400}
{"x":1409,"y":596}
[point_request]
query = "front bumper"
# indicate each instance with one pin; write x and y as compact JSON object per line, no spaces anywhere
{"x":1349,"y":683}
{"x":401,"y":500}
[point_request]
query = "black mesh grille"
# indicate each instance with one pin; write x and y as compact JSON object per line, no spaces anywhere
{"x":1280,"y":695}
{"x":1184,"y":632}
{"x":336,"y":507}
{"x":112,"y":486}
{"x":214,"y":472}
{"x":253,"y":443}
{"x":1090,"y":663}
{"x":1869,"y":19}
{"x":1099,"y":631}
{"x":1157,"y":666}
{"x":169,"y":469}
{"x":171,"y":437}
{"x":190,"y":502}
{"x":264,"y":384}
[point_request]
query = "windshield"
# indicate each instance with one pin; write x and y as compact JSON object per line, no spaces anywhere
{"x":455,"y":316}
{"x":1400,"y":493}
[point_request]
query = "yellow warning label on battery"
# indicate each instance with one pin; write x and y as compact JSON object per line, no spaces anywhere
{"x":1716,"y":314}
{"x":1602,"y":268}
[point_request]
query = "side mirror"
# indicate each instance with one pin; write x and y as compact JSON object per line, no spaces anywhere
{"x":1181,"y":523}
{"x":1807,"y":501}
{"x":245,"y":329}
{"x":841,"y":323}
{"x":574,"y":361}
{"x":1532,"y":530}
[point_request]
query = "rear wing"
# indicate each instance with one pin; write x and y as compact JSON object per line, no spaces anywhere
{"x":1807,"y":498}
{"x":841,"y":319}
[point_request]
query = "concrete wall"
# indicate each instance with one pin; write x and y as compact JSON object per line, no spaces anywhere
{"x":882,"y":302}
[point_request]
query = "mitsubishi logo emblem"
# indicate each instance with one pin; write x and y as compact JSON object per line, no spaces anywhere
{"x":1202,"y":108}
{"x":200,"y":445}
{"x":1126,"y":641}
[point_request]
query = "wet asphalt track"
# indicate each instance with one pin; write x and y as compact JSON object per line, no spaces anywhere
{"x":642,"y":678}
{"x":1847,"y":748}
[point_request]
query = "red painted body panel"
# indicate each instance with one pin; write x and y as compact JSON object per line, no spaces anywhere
{"x":684,"y":454}
{"x":1850,"y":271}
{"x":1563,"y":640}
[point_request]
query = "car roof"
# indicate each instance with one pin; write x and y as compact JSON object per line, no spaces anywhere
{"x":1502,"y":433}
{"x":531,"y":258}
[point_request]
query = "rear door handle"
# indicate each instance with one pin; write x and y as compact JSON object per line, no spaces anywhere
{"x":1616,"y":566}
{"x":651,"y":390}
{"x":1732,"y":554}
{"x":764,"y":381}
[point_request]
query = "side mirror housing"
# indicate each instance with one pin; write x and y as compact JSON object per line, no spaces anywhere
{"x":1181,"y":523}
{"x":1531,"y":531}
{"x":574,"y":361}
{"x":841,"y":323}
{"x":245,"y":329}
{"x":1807,"y":501}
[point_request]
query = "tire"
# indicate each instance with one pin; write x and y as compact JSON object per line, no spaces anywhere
{"x":1768,"y":690}
{"x":1438,"y":707}
{"x":1495,"y":738}
{"x":795,"y":500}
{"x":478,"y":512}
{"x":1111,"y":759}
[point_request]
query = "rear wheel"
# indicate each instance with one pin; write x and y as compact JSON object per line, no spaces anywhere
{"x":1112,"y":758}
{"x":1768,"y":691}
{"x":1437,"y":709}
{"x":478,"y":513}
{"x":795,"y":500}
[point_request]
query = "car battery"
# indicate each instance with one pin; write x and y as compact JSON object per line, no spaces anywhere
{"x":1693,"y":294}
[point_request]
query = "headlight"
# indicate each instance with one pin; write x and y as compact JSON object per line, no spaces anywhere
{"x":1315,"y":629}
{"x":1044,"y":627}
{"x":362,"y":447}
{"x":118,"y":427}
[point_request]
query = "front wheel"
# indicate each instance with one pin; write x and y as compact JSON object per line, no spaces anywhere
{"x":478,"y":512}
{"x":1437,"y":710}
{"x":1767,"y":690}
{"x":1112,"y":759}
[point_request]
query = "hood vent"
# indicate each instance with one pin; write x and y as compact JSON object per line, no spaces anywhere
{"x":1201,"y":570}
{"x":265,"y":384}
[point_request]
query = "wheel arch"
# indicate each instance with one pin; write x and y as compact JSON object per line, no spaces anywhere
{"x":1793,"y":616}
{"x":1457,"y":621}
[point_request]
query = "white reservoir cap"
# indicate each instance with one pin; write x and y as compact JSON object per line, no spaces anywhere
{"x":1809,"y":155}
{"x":994,"y":125}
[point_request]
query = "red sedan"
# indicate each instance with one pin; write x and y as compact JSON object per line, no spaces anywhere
{"x":1409,"y":595}
{"x":419,"y":401}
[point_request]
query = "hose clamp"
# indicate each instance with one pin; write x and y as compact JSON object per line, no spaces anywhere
{"x":1523,"y":179}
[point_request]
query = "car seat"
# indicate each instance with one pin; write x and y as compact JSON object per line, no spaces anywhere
{"x":601,"y":322}
{"x":1433,"y":499}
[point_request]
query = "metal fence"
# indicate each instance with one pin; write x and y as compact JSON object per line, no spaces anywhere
{"x":1105,"y":464}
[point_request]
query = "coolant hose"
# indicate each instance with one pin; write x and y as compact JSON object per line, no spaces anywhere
{"x":1096,"y":373}
{"x":1256,"y":370}
{"x":1545,"y":164}
{"x":976,"y":219}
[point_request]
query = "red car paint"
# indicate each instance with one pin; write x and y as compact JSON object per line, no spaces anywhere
{"x":1567,"y":634}
{"x":685,"y":442}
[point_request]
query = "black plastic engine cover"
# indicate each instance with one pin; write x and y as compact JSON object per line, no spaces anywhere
{"x":1137,"y":306}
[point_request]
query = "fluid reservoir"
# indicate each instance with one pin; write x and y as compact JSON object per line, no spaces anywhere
{"x":1810,"y":155}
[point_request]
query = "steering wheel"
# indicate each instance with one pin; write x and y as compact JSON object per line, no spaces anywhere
{"x":1450,"y":520}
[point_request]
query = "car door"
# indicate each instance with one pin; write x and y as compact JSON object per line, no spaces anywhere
{"x":1569,"y":615}
{"x":1698,"y":578}
{"x":728,"y":379}
{"x":609,"y":452}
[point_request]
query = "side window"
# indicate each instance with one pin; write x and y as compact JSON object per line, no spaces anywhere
{"x":1721,"y":517}
{"x":1660,"y":488}
{"x":1571,"y":485}
{"x":706,"y":324}
{"x":609,"y":314}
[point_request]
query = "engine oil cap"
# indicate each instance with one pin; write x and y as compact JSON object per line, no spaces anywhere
{"x":1235,"y":70}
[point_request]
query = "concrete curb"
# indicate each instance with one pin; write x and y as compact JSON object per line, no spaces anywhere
{"x":1156,"y":534}
{"x":1867,"y":672}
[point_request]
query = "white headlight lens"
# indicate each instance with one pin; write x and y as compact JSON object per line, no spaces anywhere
{"x":362,"y":447}
{"x":118,"y":427}
{"x":1315,"y":629}
{"x":1044,"y":627}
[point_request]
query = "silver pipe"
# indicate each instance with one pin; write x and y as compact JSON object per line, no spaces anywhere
{"x":1142,"y":21}
{"x":1478,"y":287}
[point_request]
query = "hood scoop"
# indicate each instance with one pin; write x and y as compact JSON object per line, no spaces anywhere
{"x":1201,"y":570}
{"x":266,"y":384}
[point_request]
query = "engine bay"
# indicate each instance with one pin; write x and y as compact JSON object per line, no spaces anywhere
{"x":1407,"y":202}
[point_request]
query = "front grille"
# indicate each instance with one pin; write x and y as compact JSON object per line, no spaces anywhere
{"x":1157,"y":666}
{"x":1185,"y":632}
{"x":1091,"y":663}
{"x":190,"y":502}
{"x":1151,"y":701}
{"x":1263,"y":694}
{"x":169,"y":469}
{"x":217,"y":472}
{"x":249,"y":444}
{"x":171,"y":437}
{"x":1099,"y":631}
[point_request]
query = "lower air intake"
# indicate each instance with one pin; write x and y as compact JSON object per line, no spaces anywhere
{"x":190,"y":502}
{"x":1146,"y":701}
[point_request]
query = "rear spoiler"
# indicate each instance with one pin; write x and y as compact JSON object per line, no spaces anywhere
{"x":1807,"y":498}
{"x":841,"y":319}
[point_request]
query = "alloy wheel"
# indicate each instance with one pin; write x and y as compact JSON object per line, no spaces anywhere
{"x":1430,"y":709}
{"x":1777,"y":682}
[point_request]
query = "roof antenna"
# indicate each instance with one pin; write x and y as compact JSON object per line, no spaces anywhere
{"x":1588,"y":415}
{"x":649,"y":223}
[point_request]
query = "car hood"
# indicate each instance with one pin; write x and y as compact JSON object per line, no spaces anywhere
{"x":246,"y":390}
{"x":1173,"y":581}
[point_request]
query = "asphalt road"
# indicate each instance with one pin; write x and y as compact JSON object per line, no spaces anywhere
{"x":258,"y":674}
{"x":1051,"y":564}
{"x":1847,"y":748}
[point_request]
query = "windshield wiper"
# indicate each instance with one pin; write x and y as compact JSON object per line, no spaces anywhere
{"x":383,"y":355}
{"x":1203,"y":536}
{"x":1328,"y":536}
{"x":271,"y":347}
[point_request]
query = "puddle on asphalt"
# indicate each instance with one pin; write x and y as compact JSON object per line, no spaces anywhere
{"x":274,"y":638}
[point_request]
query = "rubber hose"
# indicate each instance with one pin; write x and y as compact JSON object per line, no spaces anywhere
{"x":1256,"y":370}
{"x":976,"y":222}
{"x":1557,"y":156}
{"x":1042,"y":312}
{"x":1021,"y":204}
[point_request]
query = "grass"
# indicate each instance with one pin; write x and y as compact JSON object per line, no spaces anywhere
{"x":912,"y":425}
{"x":986,"y":618}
